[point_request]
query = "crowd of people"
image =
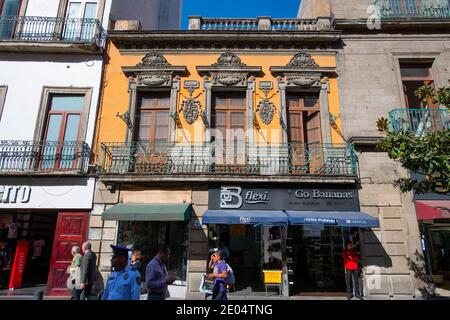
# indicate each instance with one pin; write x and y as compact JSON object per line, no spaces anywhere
{"x":127,"y":274}
{"x":125,"y":281}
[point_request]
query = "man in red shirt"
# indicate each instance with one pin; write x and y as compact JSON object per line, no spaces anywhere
{"x":351,"y":270}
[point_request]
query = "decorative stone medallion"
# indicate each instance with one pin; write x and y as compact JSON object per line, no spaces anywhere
{"x":266,"y":111}
{"x":191,"y":110}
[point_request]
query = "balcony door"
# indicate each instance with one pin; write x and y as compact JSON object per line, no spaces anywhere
{"x":228,"y":120}
{"x":304,"y":133}
{"x":61,"y":140}
{"x":9,"y":10}
{"x":152,"y":132}
{"x":421,"y":115}
{"x":80,"y":26}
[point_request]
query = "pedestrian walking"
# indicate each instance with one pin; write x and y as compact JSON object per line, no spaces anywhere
{"x":220,"y":273}
{"x":88,"y":272}
{"x":74,"y":270}
{"x":156,"y":276}
{"x":124,"y":283}
{"x":351,"y":271}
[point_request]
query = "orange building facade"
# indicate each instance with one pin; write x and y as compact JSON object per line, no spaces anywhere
{"x":207,"y":137}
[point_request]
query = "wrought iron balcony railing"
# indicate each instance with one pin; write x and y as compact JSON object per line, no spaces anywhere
{"x":293,"y":159}
{"x":52,"y":29}
{"x":44,"y":157}
{"x":419,"y":121}
{"x":413,"y":8}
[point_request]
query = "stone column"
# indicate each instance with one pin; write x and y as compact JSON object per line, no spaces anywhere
{"x":173,"y":107}
{"x":282,"y":111}
{"x":207,"y":105}
{"x":324,"y":111}
{"x":250,"y":111}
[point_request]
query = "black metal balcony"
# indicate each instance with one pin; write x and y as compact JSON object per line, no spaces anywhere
{"x":413,"y":8}
{"x":43,"y":157}
{"x":52,"y":29}
{"x":293,"y":159}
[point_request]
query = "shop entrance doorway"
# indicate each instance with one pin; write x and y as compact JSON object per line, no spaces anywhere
{"x":147,"y":235}
{"x":38,"y":228}
{"x":252,"y":249}
{"x":314,"y":259}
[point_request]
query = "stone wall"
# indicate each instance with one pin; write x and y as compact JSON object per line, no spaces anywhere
{"x":104,"y":233}
{"x":370,"y":86}
{"x":340,"y":9}
{"x":198,"y":244}
{"x":389,"y":250}
{"x":369,"y":76}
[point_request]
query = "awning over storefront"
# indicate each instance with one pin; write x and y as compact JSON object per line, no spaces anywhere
{"x":333,"y":218}
{"x":244,"y":217}
{"x":148,"y":212}
{"x":432,"y":209}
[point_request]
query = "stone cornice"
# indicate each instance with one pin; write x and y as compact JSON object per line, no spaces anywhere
{"x":437,"y":25}
{"x":322,"y":70}
{"x":132,"y":70}
{"x":213,"y":40}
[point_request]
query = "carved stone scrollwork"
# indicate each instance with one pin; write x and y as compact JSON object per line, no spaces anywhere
{"x":303,"y":79}
{"x":153,"y":71}
{"x":154,"y":59}
{"x":230,"y":79}
{"x":229,"y":59}
{"x":302,"y":60}
{"x":154,"y":79}
{"x":191,"y":107}
{"x":302,"y":71}
{"x":266,"y":111}
{"x":229,"y":71}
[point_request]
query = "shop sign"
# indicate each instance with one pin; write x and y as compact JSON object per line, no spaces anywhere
{"x":24,"y":193}
{"x":15,"y":194}
{"x":338,"y":198}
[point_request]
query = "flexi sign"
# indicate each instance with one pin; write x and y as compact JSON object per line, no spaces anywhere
{"x":291,"y":197}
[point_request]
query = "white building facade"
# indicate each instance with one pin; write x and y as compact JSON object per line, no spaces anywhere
{"x":51,"y":62}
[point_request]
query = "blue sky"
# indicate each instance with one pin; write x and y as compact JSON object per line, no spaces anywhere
{"x":239,"y":9}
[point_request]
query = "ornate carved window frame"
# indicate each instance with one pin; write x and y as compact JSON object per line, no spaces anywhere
{"x":229,"y":74}
{"x":153,"y":73}
{"x":303,"y":74}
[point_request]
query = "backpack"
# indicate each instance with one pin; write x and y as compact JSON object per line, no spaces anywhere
{"x":230,"y":279}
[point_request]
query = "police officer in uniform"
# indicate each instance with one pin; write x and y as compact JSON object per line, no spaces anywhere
{"x":124,"y":283}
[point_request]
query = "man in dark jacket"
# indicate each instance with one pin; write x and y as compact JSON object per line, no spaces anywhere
{"x":88,"y":271}
{"x":351,"y":270}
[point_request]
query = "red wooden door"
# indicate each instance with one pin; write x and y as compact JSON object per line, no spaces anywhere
{"x":71,"y":230}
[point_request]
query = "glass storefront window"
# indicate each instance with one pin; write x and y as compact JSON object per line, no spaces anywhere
{"x":147,"y":235}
